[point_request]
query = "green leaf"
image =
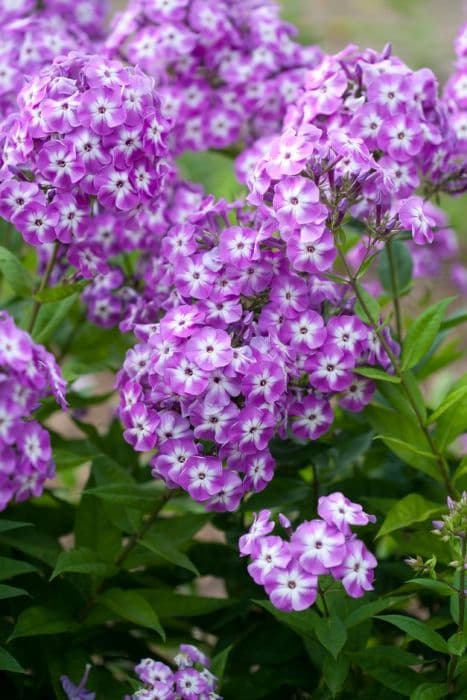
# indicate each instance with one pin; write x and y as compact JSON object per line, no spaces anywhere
{"x":403,"y":436}
{"x":417,"y":630}
{"x":379,"y":374}
{"x":81,"y":561}
{"x":367,"y":610}
{"x":409,"y":510}
{"x":11,"y":592}
{"x":457,"y":643}
{"x":15,"y":273}
{"x":39,"y":620}
{"x":402,"y":267}
{"x":14,"y":567}
{"x":430,"y":691}
{"x":9,"y":663}
{"x":455,"y":319}
{"x":371,"y":305}
{"x":422,"y":333}
{"x":332,"y":634}
{"x":453,"y":421}
{"x":219,"y":662}
{"x":134,"y":495}
{"x":49,"y":294}
{"x":6,"y":525}
{"x":179,"y":529}
{"x":171,"y":604}
{"x":453,"y":398}
{"x":384,"y":655}
{"x":50,"y":317}
{"x":404,"y":447}
{"x":303,"y":622}
{"x":335,"y":672}
{"x":432,"y":585}
{"x":131,"y":606}
{"x":165,"y":549}
{"x":461,"y":470}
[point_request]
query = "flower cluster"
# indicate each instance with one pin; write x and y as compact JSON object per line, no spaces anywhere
{"x":28,"y":373}
{"x":245,"y":349}
{"x":227,"y":68}
{"x":362,"y":137}
{"x":455,"y":98}
{"x":27,"y":45}
{"x":191,"y":681}
{"x":87,"y":15}
{"x":90,"y":137}
{"x":289,"y":569}
{"x":118,"y":294}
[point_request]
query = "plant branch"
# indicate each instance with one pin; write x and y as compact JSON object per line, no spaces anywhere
{"x":139,"y":534}
{"x":44,"y":283}
{"x":128,"y":548}
{"x":441,"y":462}
{"x":395,"y":290}
{"x":461,"y":598}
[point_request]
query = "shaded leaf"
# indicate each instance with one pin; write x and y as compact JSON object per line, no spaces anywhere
{"x":15,"y":273}
{"x":50,"y":317}
{"x":39,"y":620}
{"x":335,"y":672}
{"x":430,"y":691}
{"x":11,"y":592}
{"x":332,"y":634}
{"x":409,"y":510}
{"x":417,"y":630}
{"x":9,"y":568}
{"x":379,"y":374}
{"x":9,"y":663}
{"x":402,"y":267}
{"x":422,"y":333}
{"x":163,"y":548}
{"x":131,"y":606}
{"x":453,"y":398}
{"x":81,"y":561}
{"x":60,"y":292}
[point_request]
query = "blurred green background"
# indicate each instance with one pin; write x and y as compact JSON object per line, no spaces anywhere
{"x":421,"y":31}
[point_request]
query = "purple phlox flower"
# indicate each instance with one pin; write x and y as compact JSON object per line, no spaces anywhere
{"x":330,"y":369}
{"x":318,"y":546}
{"x":415,"y":216}
{"x":268,"y":553}
{"x":311,"y":417}
{"x":356,"y":569}
{"x":262,"y":525}
{"x":201,"y":477}
{"x":338,"y":510}
{"x":77,"y":692}
{"x":209,"y":348}
{"x":291,"y":588}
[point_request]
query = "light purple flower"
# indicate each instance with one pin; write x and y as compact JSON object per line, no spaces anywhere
{"x":209,"y":348}
{"x":338,"y":510}
{"x":318,"y":545}
{"x":356,"y":569}
{"x":292,"y":588}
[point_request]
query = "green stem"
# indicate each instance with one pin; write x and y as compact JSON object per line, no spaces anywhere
{"x":44,"y":283}
{"x":323,"y":600}
{"x":395,"y":290}
{"x":461,"y":596}
{"x":441,"y":462}
{"x":139,"y":534}
{"x":128,"y":548}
